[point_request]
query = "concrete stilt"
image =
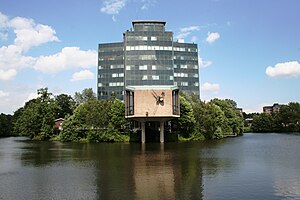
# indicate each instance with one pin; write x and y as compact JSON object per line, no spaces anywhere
{"x":143,"y":132}
{"x":162,"y":137}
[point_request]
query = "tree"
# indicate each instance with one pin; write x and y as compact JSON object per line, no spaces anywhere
{"x":94,"y":121}
{"x":86,"y":95}
{"x":66,"y":105}
{"x":117,"y":115}
{"x":263,"y":123}
{"x":288,"y":118}
{"x":5,"y":125}
{"x":234,"y":118}
{"x":214,"y":122}
{"x":36,"y":118}
{"x":186,"y":122}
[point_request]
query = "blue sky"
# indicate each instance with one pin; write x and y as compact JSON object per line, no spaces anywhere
{"x":249,"y":50}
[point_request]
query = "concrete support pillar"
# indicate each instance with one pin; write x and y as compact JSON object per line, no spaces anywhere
{"x":162,"y":137}
{"x":143,"y":132}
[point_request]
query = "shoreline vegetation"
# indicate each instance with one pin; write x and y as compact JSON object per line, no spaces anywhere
{"x":87,"y":119}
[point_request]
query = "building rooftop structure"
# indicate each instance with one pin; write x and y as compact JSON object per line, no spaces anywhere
{"x":272,"y":109}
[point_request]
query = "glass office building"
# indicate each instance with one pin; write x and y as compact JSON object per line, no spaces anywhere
{"x":147,"y":56}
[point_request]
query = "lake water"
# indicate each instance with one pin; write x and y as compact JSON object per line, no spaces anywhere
{"x":254,"y":166}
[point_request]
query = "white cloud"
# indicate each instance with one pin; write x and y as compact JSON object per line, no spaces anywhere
{"x":112,"y":7}
{"x":184,"y":32}
{"x":3,"y":94}
{"x":212,"y":37}
{"x":69,"y":57}
{"x":11,"y":57}
{"x":211,"y":87}
{"x":286,"y":69}
{"x":30,"y":34}
{"x":204,"y":64}
{"x":7,"y":74}
{"x":82,"y":75}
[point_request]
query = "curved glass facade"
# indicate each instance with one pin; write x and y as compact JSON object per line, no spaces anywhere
{"x":147,"y":56}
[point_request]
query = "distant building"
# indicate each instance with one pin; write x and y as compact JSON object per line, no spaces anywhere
{"x":272,"y":109}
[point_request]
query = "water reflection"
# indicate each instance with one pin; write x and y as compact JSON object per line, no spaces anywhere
{"x":154,"y":174}
{"x":250,"y":167}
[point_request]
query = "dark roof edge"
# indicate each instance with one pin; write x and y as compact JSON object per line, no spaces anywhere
{"x":148,"y":21}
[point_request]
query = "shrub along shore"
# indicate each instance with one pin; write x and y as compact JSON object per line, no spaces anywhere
{"x":87,"y":119}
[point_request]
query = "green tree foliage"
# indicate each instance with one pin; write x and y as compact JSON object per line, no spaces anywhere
{"x":186,"y":122}
{"x":263,"y":123}
{"x":116,"y":114}
{"x":234,"y":119}
{"x":286,"y":120}
{"x":65,"y":104}
{"x":36,"y":118}
{"x":5,"y":125}
{"x":94,"y":121}
{"x":215,"y":119}
{"x":84,"y":96}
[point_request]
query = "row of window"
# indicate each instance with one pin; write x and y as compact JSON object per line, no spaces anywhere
{"x":185,"y":84}
{"x":114,"y":75}
{"x":145,"y":67}
{"x":148,"y":57}
{"x":150,"y":27}
{"x":184,"y":49}
{"x":161,"y":48}
{"x":184,"y":75}
{"x":185,"y":58}
{"x":112,"y":67}
{"x":145,"y":77}
{"x":111,"y":84}
{"x":145,"y":47}
{"x":153,"y":77}
{"x":102,"y":93}
{"x":186,"y":66}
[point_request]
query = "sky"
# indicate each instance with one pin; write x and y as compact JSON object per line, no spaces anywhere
{"x":249,"y":50}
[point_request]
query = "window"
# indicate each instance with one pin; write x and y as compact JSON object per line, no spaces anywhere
{"x":153,"y":38}
{"x":145,"y":77}
{"x":143,"y":67}
{"x":128,"y":67}
{"x":155,"y":77}
{"x":154,"y":67}
{"x":196,"y":84}
{"x":183,"y":66}
{"x":184,"y":84}
{"x":175,"y":102}
{"x":180,"y":75}
{"x":196,"y":75}
{"x":171,"y":78}
{"x":114,"y":75}
{"x":99,"y":84}
{"x":129,"y":103}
